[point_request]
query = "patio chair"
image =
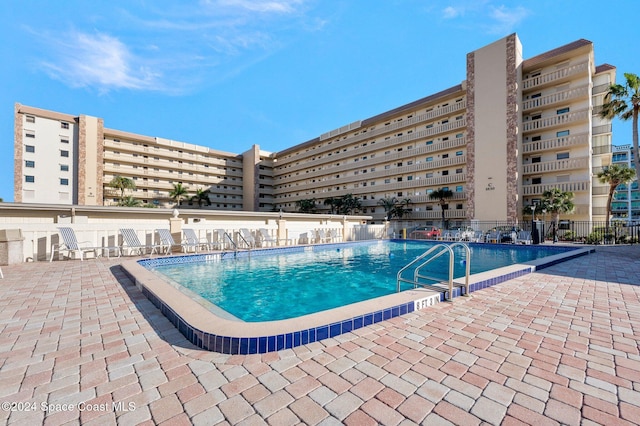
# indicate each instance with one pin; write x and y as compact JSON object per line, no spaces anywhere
{"x":70,"y":245}
{"x":333,"y":235}
{"x":493,"y":237}
{"x":131,"y":243}
{"x":191,"y":238}
{"x":524,"y":237}
{"x":323,"y":236}
{"x":245,"y":235}
{"x":167,"y":242}
{"x":223,"y":239}
{"x":266,"y":238}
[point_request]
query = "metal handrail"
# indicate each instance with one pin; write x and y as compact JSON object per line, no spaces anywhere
{"x":245,"y":241}
{"x":226,"y":234}
{"x":443,"y":248}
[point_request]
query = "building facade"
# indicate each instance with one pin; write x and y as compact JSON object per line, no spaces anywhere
{"x":626,"y":200}
{"x":512,"y":129}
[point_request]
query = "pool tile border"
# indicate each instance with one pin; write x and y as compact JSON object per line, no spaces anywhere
{"x":274,"y":342}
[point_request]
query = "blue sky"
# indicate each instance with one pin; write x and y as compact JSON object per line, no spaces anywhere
{"x":231,"y":73}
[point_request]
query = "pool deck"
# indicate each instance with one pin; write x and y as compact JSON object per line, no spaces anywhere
{"x":559,"y":346}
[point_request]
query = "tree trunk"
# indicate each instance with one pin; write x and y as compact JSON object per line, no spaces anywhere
{"x":636,"y":159}
{"x":612,"y":189}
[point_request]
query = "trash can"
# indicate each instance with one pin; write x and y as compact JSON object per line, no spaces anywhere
{"x":11,"y":250}
{"x":404,"y":233}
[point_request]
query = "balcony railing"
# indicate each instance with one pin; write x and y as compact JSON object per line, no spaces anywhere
{"x":554,"y":98}
{"x":538,"y":189}
{"x":598,"y":130}
{"x":556,"y":120}
{"x":437,"y":214}
{"x":555,"y":143}
{"x":555,"y":76}
{"x":556,"y":166}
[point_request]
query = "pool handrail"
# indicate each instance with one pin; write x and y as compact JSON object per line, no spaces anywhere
{"x":444,"y":248}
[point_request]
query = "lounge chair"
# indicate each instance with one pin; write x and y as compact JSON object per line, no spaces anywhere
{"x":524,"y":237}
{"x":245,"y":235}
{"x":191,"y":238}
{"x":323,"y":236}
{"x":132,"y":244}
{"x":493,"y":237}
{"x":333,"y":235}
{"x":167,"y":242}
{"x":70,"y":245}
{"x":265,"y":238}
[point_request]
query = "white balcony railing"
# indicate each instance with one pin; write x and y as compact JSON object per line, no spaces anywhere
{"x":555,"y":76}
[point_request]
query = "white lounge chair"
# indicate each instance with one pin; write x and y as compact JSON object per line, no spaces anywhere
{"x":167,"y":242}
{"x":323,"y":236}
{"x":245,"y":235}
{"x":191,"y":238}
{"x":132,"y":244}
{"x":70,"y":245}
{"x":333,"y":235}
{"x":266,"y":238}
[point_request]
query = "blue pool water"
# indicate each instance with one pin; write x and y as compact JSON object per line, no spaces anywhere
{"x":291,"y":284}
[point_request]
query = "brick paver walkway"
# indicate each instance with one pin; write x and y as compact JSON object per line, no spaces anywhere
{"x":79,"y":344}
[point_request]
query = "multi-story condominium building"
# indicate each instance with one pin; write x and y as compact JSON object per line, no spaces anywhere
{"x":626,"y":201}
{"x":512,"y":129}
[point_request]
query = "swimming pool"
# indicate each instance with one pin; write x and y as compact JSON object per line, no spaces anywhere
{"x":208,"y":327}
{"x":289,"y":284}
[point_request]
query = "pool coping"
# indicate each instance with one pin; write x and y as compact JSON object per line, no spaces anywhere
{"x":212,"y":332}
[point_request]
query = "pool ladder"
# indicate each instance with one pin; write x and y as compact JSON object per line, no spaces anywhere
{"x":430,"y":255}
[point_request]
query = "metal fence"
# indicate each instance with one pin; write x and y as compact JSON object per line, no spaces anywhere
{"x":585,"y":232}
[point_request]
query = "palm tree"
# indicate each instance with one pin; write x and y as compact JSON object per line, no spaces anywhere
{"x":202,"y":195}
{"x":614,"y":175}
{"x":556,"y":201}
{"x":306,"y":206}
{"x":389,"y":204}
{"x":121,"y":184}
{"x":623,"y":101}
{"x":441,"y":195}
{"x":129,"y":201}
{"x":178,"y":193}
{"x":331,"y":202}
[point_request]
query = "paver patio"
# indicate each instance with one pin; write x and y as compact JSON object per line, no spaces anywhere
{"x":80,"y":344}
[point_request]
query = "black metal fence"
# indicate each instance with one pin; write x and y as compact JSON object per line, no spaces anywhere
{"x":586,"y":232}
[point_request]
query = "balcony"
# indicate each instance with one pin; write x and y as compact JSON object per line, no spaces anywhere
{"x":556,"y":76}
{"x":555,"y":121}
{"x":538,"y":189}
{"x":599,"y":130}
{"x":437,"y":214}
{"x":556,"y":98}
{"x":555,"y":143}
{"x":556,"y":166}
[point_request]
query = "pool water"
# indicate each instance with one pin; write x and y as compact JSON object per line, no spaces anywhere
{"x":291,"y":284}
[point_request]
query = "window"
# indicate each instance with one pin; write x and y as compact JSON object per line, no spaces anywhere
{"x":409,"y":177}
{"x":429,"y":158}
{"x":429,"y":142}
{"x":399,"y":179}
{"x":30,"y":135}
{"x":64,"y":125}
{"x":29,"y":163}
{"x":562,"y":155}
{"x":459,"y":188}
{"x":536,"y":138}
{"x":64,"y":167}
{"x":562,"y":110}
{"x":458,"y":206}
{"x":458,"y":153}
{"x":64,"y":181}
{"x":458,"y":171}
{"x":445,"y":173}
{"x":29,"y":179}
{"x":64,"y":153}
{"x":30,"y":119}
{"x":64,"y":140}
{"x":536,"y":180}
{"x":445,"y":155}
{"x":562,"y":133}
{"x":30,"y":148}
{"x":387,"y":181}
{"x":536,"y":159}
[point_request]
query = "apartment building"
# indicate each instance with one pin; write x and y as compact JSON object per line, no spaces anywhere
{"x":626,"y":199}
{"x":510,"y":130}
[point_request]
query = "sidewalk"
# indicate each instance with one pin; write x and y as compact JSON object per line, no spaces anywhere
{"x":79,"y":344}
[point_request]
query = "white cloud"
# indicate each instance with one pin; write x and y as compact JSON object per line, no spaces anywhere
{"x":99,"y":61}
{"x":451,"y":12}
{"x":507,"y":19}
{"x":266,"y":6}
